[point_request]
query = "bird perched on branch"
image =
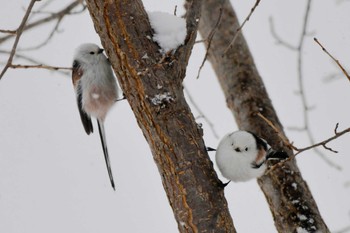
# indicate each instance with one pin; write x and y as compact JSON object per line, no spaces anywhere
{"x":96,"y":91}
{"x":241,"y":156}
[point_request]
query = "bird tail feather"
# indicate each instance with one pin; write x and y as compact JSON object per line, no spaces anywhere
{"x":101,"y":130}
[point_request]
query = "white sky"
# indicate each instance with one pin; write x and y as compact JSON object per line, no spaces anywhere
{"x":53,"y":177}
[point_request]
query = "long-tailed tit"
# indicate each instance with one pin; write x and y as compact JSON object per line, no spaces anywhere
{"x":96,"y":91}
{"x":241,"y":156}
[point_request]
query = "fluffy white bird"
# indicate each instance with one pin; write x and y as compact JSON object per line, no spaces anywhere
{"x":96,"y":91}
{"x":241,"y":156}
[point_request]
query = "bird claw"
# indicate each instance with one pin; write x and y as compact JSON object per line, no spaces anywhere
{"x":223,"y":185}
{"x":210,"y":149}
{"x":255,"y":165}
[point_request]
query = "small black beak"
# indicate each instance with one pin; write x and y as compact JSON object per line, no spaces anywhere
{"x":100,"y":51}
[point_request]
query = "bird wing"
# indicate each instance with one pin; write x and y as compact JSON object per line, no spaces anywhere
{"x":101,"y":129}
{"x":77,"y":73}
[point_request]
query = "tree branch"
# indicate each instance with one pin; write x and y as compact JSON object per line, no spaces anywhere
{"x":191,"y":184}
{"x":246,"y":95}
{"x":239,"y":29}
{"x":19,"y":32}
{"x":40,"y":66}
{"x":53,"y":16}
{"x":333,"y":58}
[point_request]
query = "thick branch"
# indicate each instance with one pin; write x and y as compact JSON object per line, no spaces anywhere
{"x":286,"y":192}
{"x":193,"y":189}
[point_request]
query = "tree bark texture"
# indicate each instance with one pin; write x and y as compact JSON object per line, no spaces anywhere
{"x":191,"y":184}
{"x":290,"y":200}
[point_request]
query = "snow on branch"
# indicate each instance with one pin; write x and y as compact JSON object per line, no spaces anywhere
{"x":170,"y":30}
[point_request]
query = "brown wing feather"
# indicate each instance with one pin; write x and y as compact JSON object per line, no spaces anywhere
{"x":85,"y":118}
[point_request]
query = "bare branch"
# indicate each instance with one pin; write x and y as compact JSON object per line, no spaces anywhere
{"x":238,"y":30}
{"x":65,"y":11}
{"x":278,"y":38}
{"x":300,"y":150}
{"x":333,"y":58}
{"x":18,"y":36}
{"x":209,"y":39}
{"x":32,"y":60}
{"x":47,"y":40}
{"x":201,"y":114}
{"x":278,"y":132}
{"x":40,"y":66}
{"x":8,"y":31}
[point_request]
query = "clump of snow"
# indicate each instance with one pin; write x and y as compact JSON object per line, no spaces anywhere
{"x":302,"y":217}
{"x":170,"y":30}
{"x":301,"y":230}
{"x":161,"y":99}
{"x":295,"y":186}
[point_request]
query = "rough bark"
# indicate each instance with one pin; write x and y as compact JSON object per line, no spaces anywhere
{"x":191,"y":184}
{"x":290,"y":200}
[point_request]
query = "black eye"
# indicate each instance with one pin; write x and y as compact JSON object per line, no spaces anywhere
{"x":92,"y":53}
{"x":246,"y":149}
{"x":237,"y":149}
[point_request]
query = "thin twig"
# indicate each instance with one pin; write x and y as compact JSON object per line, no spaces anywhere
{"x":65,"y":11}
{"x":211,"y":125}
{"x":32,"y":60}
{"x":40,"y":66}
{"x":18,"y":36}
{"x":238,"y":30}
{"x":209,"y":39}
{"x":300,"y":150}
{"x":333,"y":58}
{"x":278,"y":38}
{"x":305,"y":105}
{"x":47,"y":40}
{"x":8,"y":31}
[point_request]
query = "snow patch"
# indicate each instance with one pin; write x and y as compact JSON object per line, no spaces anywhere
{"x":161,"y":99}
{"x":295,"y":186}
{"x":170,"y":30}
{"x":301,"y":230}
{"x":295,"y":202}
{"x":302,"y":217}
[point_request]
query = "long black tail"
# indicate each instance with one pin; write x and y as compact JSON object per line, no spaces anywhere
{"x":276,"y":154}
{"x":101,"y":129}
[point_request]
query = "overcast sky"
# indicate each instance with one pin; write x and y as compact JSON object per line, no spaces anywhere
{"x":53,"y":176}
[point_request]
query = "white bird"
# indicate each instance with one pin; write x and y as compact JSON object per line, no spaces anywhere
{"x":241,"y":156}
{"x":96,"y":91}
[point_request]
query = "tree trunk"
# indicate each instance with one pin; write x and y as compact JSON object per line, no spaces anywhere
{"x":288,"y":195}
{"x":193,"y":189}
